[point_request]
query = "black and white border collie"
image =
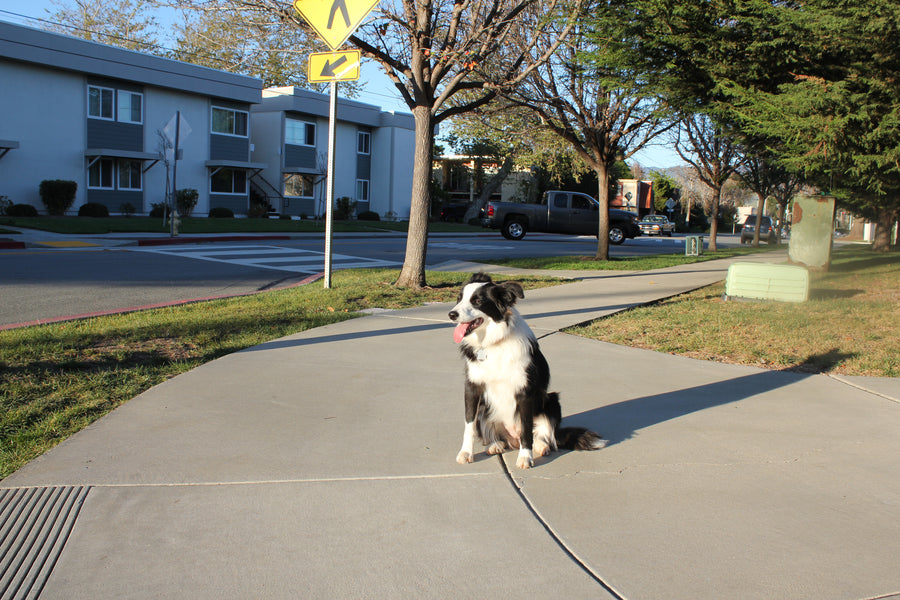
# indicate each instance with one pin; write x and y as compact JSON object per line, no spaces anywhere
{"x":507,"y":403}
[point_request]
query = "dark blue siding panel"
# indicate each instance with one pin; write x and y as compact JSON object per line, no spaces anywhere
{"x":226,"y":147}
{"x":114,"y":135}
{"x":239,"y":205}
{"x":299,"y":157}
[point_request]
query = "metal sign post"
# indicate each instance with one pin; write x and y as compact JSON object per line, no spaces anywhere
{"x":334,"y":21}
{"x":329,"y":190}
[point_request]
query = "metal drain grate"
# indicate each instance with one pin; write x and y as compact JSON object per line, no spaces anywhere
{"x":34,"y":526}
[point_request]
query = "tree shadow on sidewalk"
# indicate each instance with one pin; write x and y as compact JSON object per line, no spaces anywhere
{"x":621,"y":421}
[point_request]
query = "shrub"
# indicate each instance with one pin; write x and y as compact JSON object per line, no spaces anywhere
{"x":5,"y":203}
{"x":127,"y":209}
{"x":220,"y":212}
{"x":93,"y":209}
{"x":368,"y":215}
{"x":186,"y":200}
{"x":58,"y":195}
{"x":159,"y":210}
{"x":284,"y":217}
{"x":21,"y":210}
{"x":344,"y":209}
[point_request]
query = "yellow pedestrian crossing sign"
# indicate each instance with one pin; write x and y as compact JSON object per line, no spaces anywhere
{"x":334,"y":20}
{"x":333,"y":66}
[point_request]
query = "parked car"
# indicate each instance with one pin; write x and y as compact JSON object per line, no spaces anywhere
{"x":656,"y":225}
{"x":766,"y":230}
{"x":558,"y":212}
{"x":454,"y":211}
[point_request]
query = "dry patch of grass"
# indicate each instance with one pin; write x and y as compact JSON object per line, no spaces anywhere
{"x":850,"y":326}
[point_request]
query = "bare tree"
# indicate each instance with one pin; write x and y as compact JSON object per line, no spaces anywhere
{"x":124,"y":23}
{"x":714,"y":157}
{"x":767,"y":179}
{"x":449,"y":57}
{"x":596,"y":108}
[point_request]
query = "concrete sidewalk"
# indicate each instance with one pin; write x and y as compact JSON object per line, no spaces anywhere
{"x":322,"y":465}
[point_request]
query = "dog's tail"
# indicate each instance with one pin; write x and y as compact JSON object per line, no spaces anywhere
{"x":578,"y":438}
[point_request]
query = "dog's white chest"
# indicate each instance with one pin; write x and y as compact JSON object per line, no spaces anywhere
{"x":503,"y":371}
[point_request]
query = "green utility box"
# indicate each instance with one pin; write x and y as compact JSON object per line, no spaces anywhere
{"x":693,"y":245}
{"x":764,"y":281}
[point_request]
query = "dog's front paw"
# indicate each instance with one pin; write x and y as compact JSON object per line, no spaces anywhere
{"x":464,"y":457}
{"x":524,"y":461}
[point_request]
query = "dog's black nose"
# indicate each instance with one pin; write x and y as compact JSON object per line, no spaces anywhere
{"x":453,"y":315}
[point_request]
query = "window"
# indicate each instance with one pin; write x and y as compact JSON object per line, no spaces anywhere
{"x":129,"y":107}
{"x":298,"y":184}
{"x":299,"y":133}
{"x":581,"y":202}
{"x":100,"y":102}
{"x":229,"y":122}
{"x":228,"y":181}
{"x":362,"y":190}
{"x":363,"y":140}
{"x":129,"y":174}
{"x":561,"y":200}
{"x":100,"y":174}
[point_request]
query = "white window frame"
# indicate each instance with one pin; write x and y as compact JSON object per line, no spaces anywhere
{"x":126,"y":117}
{"x":232,"y":192}
{"x":98,"y":164}
{"x":129,"y":185}
{"x":306,"y":125}
{"x":362,"y":185}
{"x":101,"y":89}
{"x":307,"y":177}
{"x":363,"y":147}
{"x":234,"y":122}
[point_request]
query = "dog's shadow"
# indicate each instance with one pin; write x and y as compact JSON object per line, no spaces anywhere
{"x":621,"y":421}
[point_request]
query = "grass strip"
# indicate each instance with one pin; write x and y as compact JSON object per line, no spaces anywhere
{"x":57,"y":379}
{"x":190,"y":225}
{"x":850,"y":325}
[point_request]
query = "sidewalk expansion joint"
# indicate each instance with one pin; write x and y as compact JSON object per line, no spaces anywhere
{"x":556,"y":537}
{"x":864,"y":389}
{"x":189,"y":484}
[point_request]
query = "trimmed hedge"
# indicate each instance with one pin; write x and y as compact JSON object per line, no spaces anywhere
{"x":58,"y":195}
{"x":93,"y":209}
{"x":21,"y":210}
{"x":220,"y":212}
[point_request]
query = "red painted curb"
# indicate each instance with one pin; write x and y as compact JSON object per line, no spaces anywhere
{"x":120,"y":311}
{"x":199,"y":240}
{"x":4,"y":245}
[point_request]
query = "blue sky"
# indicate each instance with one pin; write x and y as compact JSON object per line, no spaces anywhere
{"x":376,"y":87}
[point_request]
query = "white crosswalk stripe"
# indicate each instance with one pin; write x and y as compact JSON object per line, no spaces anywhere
{"x":269,"y":257}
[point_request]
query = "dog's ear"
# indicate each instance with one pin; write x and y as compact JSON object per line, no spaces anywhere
{"x":505,"y":293}
{"x":480,"y":278}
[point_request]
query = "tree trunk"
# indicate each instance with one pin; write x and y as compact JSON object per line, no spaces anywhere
{"x":883,"y":228}
{"x":603,"y":222}
{"x":760,"y":207}
{"x":412,"y":274}
{"x":493,"y":183}
{"x":714,"y":219}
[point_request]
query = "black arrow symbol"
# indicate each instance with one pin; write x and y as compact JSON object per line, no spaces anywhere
{"x":328,"y":69}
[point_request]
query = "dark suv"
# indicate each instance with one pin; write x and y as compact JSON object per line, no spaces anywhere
{"x":766,"y":230}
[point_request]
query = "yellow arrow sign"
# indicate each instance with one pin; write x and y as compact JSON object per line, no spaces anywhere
{"x":333,"y":66}
{"x":334,"y":20}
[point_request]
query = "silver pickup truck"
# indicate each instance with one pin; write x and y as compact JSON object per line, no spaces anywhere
{"x":558,"y":212}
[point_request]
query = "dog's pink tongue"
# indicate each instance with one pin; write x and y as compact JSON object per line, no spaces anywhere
{"x":460,"y":332}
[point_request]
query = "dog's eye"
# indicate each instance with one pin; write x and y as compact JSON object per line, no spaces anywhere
{"x":476,"y":301}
